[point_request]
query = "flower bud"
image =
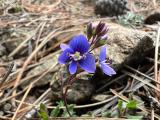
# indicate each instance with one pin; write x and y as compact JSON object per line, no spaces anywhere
{"x":103,"y":31}
{"x":89,"y":30}
{"x":104,"y":37}
{"x":99,"y":27}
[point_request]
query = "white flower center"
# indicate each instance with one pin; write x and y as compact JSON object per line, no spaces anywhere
{"x":76,"y":56}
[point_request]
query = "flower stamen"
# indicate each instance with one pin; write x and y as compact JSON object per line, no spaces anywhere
{"x":76,"y":56}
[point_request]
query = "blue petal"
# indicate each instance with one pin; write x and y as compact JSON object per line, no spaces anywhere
{"x":79,"y":43}
{"x":107,"y":69}
{"x":64,"y":57}
{"x":66,"y":47}
{"x":102,"y":56}
{"x":73,"y":67}
{"x":88,"y":63}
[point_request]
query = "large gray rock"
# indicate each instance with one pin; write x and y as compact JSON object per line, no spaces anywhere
{"x":125,"y":44}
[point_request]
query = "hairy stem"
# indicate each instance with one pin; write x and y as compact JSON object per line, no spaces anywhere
{"x":64,"y":93}
{"x":65,"y":101}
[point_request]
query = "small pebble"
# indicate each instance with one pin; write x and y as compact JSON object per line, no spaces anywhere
{"x":7,"y":107}
{"x":1,"y":113}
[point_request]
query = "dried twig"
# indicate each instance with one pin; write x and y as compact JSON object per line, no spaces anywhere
{"x":38,"y":37}
{"x":35,"y":103}
{"x":156,"y":59}
{"x":109,"y":83}
{"x":42,"y":96}
{"x":142,"y":80}
{"x":24,"y":97}
{"x":144,"y":75}
{"x":24,"y":42}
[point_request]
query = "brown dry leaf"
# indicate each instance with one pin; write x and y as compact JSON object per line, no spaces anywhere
{"x":40,"y":8}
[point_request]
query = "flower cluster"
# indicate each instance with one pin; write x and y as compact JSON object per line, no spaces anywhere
{"x":78,"y":52}
{"x":96,"y":33}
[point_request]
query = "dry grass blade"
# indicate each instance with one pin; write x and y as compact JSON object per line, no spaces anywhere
{"x":154,"y":3}
{"x":152,"y":60}
{"x":109,"y":83}
{"x":156,"y":63}
{"x":24,"y":42}
{"x":4,"y":118}
{"x":41,"y":78}
{"x":140,"y":73}
{"x":31,"y":56}
{"x":35,"y":103}
{"x":152,"y":114}
{"x":141,"y":80}
{"x":38,"y":37}
{"x":24,"y":97}
{"x":46,"y":39}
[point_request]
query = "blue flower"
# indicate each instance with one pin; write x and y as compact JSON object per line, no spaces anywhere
{"x":104,"y":66}
{"x":76,"y":54}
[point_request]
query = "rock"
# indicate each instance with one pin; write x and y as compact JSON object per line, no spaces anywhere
{"x":100,"y":97}
{"x":1,"y":113}
{"x":81,"y":91}
{"x":14,"y":39}
{"x":125,"y":44}
{"x":7,"y":107}
{"x":153,"y":17}
{"x":2,"y":50}
{"x":39,"y":70}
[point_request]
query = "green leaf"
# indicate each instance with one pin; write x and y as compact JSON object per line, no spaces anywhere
{"x":132,"y":104}
{"x":43,"y":114}
{"x":106,"y":114}
{"x":60,"y":103}
{"x":71,"y":110}
{"x":121,"y":105}
{"x":130,"y":19}
{"x":135,"y":117}
{"x":42,"y":106}
{"x":55,"y":112}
